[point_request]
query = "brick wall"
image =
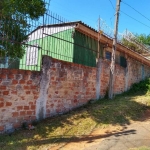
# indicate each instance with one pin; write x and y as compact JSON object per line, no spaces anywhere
{"x":70,"y":86}
{"x":18,"y":94}
{"x":135,"y":71}
{"x":119,"y":80}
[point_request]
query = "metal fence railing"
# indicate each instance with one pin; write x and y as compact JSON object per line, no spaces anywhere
{"x":23,"y":47}
{"x":23,"y":43}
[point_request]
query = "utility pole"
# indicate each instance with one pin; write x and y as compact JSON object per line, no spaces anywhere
{"x":112,"y":66}
{"x":98,"y":73}
{"x":98,"y":38}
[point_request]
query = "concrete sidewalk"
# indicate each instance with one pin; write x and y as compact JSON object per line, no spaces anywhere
{"x":133,"y":136}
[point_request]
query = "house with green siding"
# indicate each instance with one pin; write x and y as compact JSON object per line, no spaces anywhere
{"x":62,"y":41}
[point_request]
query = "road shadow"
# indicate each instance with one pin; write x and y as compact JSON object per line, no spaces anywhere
{"x":69,"y":138}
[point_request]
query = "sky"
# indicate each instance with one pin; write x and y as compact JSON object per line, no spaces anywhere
{"x":88,"y":11}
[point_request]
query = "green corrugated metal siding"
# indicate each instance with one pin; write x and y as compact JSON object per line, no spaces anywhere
{"x":84,"y":55}
{"x":58,"y":48}
{"x":52,"y":46}
{"x":77,"y":50}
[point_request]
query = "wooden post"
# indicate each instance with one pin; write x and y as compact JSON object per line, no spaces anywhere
{"x":112,"y":66}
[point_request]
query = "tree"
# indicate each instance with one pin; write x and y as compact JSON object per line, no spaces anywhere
{"x":131,"y":44}
{"x":145,"y":39}
{"x":14,"y":24}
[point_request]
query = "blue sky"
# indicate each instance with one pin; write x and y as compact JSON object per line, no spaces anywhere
{"x":88,"y":11}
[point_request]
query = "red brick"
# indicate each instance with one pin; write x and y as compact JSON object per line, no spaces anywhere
{"x":30,"y":103}
{"x":75,"y":96}
{"x":62,"y":79}
{"x":16,"y":125}
{"x":25,"y":77}
{"x":10,"y":76}
{"x":22,"y":81}
{"x":14,"y":81}
{"x":28,"y":92}
{"x":2,"y":128}
{"x":26,"y":87}
{"x":53,"y":69}
{"x":87,"y":93}
{"x":5,"y":71}
{"x":1,"y":99}
{"x":33,"y":107}
{"x":26,"y":107}
{"x":28,"y":72}
{"x":93,"y":89}
{"x":29,"y":82}
{"x":19,"y":108}
{"x":22,"y":113}
{"x":14,"y":92}
{"x":15,"y":114}
{"x":8,"y":103}
{"x":1,"y":104}
{"x":33,"y":87}
{"x":75,"y":101}
{"x":3,"y":76}
{"x":14,"y":71}
{"x":5,"y":92}
{"x":53,"y":83}
{"x":21,"y":71}
{"x":35,"y":97}
{"x":52,"y":105}
{"x":35,"y":92}
{"x":2,"y":87}
{"x":22,"y":98}
{"x":30,"y":112}
{"x":52,"y":78}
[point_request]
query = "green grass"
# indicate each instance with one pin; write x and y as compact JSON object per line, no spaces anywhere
{"x":104,"y":113}
{"x":141,"y":148}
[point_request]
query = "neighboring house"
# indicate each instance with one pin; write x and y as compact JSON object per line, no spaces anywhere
{"x":73,"y":42}
{"x":60,"y":41}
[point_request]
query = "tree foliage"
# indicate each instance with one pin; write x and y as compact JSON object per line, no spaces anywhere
{"x":14,"y":24}
{"x":132,"y":45}
{"x":136,"y":43}
{"x":145,"y":39}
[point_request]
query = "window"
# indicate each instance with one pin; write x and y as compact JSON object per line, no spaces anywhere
{"x":32,"y":55}
{"x":123,"y":62}
{"x":108,"y":55}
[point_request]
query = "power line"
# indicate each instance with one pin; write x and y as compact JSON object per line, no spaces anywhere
{"x":131,"y":16}
{"x":135,"y":19}
{"x":112,"y":4}
{"x":136,"y":11}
